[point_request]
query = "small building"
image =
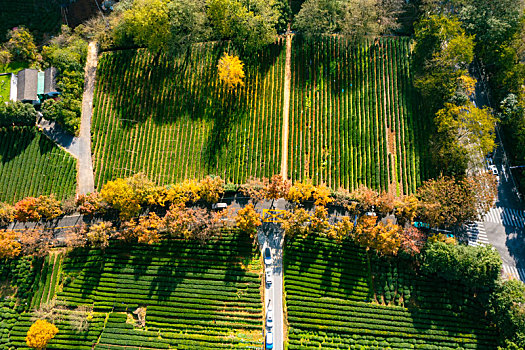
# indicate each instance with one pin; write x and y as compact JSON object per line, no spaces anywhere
{"x":34,"y":86}
{"x":27,"y":86}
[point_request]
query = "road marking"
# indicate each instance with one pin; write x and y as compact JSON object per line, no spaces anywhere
{"x":273,"y":215}
{"x":511,"y":272}
{"x":506,"y":217}
{"x":477,"y":234}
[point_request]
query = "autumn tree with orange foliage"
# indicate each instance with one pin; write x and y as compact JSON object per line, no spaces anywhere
{"x":7,"y":213}
{"x":40,"y":333}
{"x":9,"y":246}
{"x":248,"y":220}
{"x":384,"y":238}
{"x":231,"y":71}
{"x":147,"y":229}
{"x":278,"y":187}
{"x":256,"y":189}
{"x":35,"y":241}
{"x":35,"y":209}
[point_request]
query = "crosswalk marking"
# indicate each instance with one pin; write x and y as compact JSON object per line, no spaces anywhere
{"x":476,"y":233}
{"x":506,"y":217}
{"x":513,"y":272}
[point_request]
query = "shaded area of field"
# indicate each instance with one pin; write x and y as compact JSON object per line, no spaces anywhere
{"x":32,"y":165}
{"x":354,"y":117}
{"x":173,"y":120}
{"x":195,"y":296}
{"x":337,"y":299}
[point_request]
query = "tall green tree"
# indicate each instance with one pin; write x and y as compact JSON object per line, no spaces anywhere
{"x":353,"y":18}
{"x":464,"y":134}
{"x":250,"y":24}
{"x":442,"y":54}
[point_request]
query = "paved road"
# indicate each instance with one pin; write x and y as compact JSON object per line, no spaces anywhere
{"x":65,"y":140}
{"x":271,"y":235}
{"x":504,"y":225}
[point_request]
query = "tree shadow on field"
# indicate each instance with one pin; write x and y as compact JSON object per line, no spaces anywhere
{"x":19,"y":139}
{"x":336,"y":277}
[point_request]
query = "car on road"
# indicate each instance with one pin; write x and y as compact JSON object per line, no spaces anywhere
{"x":269,"y":279}
{"x":269,"y":340}
{"x":219,"y":206}
{"x":269,"y":318}
{"x":267,"y":256}
{"x":493,"y":169}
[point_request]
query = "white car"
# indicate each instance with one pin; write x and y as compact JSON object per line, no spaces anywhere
{"x":269,"y":340}
{"x":267,"y":256}
{"x":269,"y":276}
{"x":269,"y":318}
{"x":493,"y":169}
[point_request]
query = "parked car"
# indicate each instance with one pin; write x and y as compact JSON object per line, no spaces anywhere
{"x":269,"y":279}
{"x":267,"y":256}
{"x":269,"y":318}
{"x":493,"y":169}
{"x":219,"y":206}
{"x":269,"y":340}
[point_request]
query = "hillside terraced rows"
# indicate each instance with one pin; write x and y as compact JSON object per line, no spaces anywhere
{"x":194,"y":297}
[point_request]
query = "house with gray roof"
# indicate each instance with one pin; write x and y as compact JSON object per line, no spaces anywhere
{"x":32,"y":84}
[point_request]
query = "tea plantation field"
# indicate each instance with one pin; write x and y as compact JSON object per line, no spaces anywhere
{"x":354,"y":117}
{"x":194,"y":296}
{"x":173,"y":120}
{"x":337,"y":299}
{"x":32,"y":165}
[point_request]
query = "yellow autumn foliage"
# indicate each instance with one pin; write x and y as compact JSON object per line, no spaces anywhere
{"x":40,"y":333}
{"x":231,"y":71}
{"x":248,"y":220}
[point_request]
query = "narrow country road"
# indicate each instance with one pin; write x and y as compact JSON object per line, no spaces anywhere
{"x":85,"y":178}
{"x":286,"y":105}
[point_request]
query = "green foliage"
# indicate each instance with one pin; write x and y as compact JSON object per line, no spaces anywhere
{"x":250,"y":24}
{"x":67,"y":53}
{"x":21,"y":45}
{"x":507,"y":309}
{"x":193,"y":296}
{"x":356,"y":19}
{"x":464,"y":132}
{"x":442,"y":54}
{"x":31,"y":165}
{"x":40,"y":17}
{"x":17,"y":113}
{"x":477,"y":267}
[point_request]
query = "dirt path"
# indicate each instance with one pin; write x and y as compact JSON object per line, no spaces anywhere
{"x":85,"y":178}
{"x":286,"y":105}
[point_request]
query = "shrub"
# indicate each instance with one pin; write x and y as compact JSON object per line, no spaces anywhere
{"x":17,"y":113}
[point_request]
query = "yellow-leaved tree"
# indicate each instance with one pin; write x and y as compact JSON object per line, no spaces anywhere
{"x":231,"y":71}
{"x":248,"y":220}
{"x":40,"y":333}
